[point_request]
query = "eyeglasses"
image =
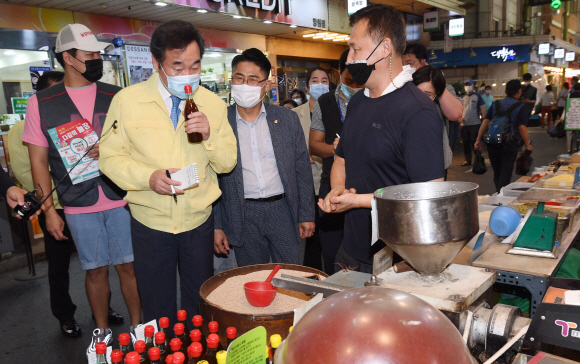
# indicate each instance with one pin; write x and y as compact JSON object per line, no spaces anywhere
{"x":251,"y":81}
{"x":411,"y":63}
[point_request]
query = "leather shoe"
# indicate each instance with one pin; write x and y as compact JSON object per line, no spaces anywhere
{"x":114,"y":317}
{"x":70,"y":328}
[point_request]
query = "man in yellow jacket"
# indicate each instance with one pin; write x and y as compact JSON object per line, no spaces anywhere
{"x":150,"y":140}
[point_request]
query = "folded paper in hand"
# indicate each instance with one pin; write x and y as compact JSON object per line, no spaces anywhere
{"x":188,"y":177}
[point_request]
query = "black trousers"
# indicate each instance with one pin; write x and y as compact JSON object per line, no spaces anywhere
{"x":158,"y":257}
{"x":502,"y":158}
{"x":331,"y":232}
{"x":312,"y":249}
{"x":345,"y":260}
{"x":58,"y":255}
{"x":469,"y":137}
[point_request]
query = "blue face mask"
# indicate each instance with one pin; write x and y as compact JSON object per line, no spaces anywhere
{"x":317,"y":89}
{"x":488,"y":92}
{"x":176,"y":84}
{"x":348,"y":91}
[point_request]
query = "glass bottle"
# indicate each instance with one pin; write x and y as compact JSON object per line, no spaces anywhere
{"x":197,"y":324}
{"x":191,"y":107}
{"x":101,"y":349}
{"x":213,"y":327}
{"x":195,"y":351}
{"x":124,"y":343}
{"x":221,"y":357}
{"x":149,"y":332}
{"x":231,"y":334}
{"x":155,"y":356}
{"x":176,"y":346}
{"x":195,"y":336}
{"x":116,"y":356}
{"x":178,"y":358}
{"x":140,"y":348}
{"x":161,"y":343}
{"x":179,"y":330}
{"x":275,"y":341}
{"x":133,"y":358}
{"x":164,"y":325}
{"x":212,"y":344}
{"x":169,"y":359}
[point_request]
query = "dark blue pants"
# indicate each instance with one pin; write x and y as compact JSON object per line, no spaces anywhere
{"x":331,"y":231}
{"x":502,"y":158}
{"x":159,"y":256}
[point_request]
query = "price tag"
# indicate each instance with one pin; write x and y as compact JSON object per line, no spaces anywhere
{"x":140,"y":329}
{"x":250,"y":348}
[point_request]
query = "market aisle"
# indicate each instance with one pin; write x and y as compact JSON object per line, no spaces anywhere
{"x":545,"y":150}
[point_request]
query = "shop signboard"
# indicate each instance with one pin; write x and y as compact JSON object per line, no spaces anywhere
{"x":570,"y":56}
{"x":139,"y":64}
{"x":456,"y":27}
{"x":544,"y":48}
{"x":19,"y":105}
{"x":431,"y":21}
{"x":559,"y":53}
{"x":356,"y":5}
{"x":572,"y":114}
{"x":484,"y":55}
{"x":305,"y":13}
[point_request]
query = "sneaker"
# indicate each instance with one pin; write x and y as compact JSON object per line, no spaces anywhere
{"x":133,"y":334}
{"x":99,"y":335}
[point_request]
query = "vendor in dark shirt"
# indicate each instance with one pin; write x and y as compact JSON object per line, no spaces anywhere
{"x":391,"y":134}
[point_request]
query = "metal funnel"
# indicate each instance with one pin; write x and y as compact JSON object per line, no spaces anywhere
{"x":428,"y":223}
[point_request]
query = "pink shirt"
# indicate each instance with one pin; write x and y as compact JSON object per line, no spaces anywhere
{"x":84,"y":100}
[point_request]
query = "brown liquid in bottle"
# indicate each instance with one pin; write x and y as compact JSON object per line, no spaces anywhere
{"x":191,"y":107}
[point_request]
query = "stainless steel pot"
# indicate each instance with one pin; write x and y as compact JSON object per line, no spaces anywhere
{"x":428,"y":223}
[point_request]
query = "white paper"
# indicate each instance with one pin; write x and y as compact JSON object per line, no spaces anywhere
{"x":572,"y":298}
{"x":301,"y":311}
{"x":140,"y":329}
{"x":374,"y":221}
{"x":188,"y":176}
{"x":93,"y":356}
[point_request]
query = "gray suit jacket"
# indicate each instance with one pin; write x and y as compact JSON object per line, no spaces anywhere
{"x":293,"y":165}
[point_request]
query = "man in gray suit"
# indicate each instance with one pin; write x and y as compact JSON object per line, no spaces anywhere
{"x":266,"y":205}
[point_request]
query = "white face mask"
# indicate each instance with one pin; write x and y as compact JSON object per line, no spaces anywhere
{"x":469,"y":89}
{"x":247,"y":96}
{"x":298,"y":101}
{"x":526,"y":83}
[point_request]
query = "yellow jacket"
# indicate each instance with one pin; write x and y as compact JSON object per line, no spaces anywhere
{"x":145,"y":141}
{"x":20,"y":161}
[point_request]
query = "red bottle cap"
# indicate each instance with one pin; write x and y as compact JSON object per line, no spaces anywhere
{"x":175,"y":344}
{"x":213,"y":327}
{"x":178,"y":329}
{"x":195,"y":350}
{"x":149,"y":330}
{"x":116,"y":356}
{"x":101,"y":348}
{"x":169,"y":359}
{"x":159,"y":337}
{"x":197,"y":320}
{"x":178,"y":358}
{"x":164,"y":322}
{"x":182,"y":314}
{"x":140,"y":346}
{"x":213,"y":341}
{"x":133,"y":358}
{"x":195,"y":335}
{"x":124,"y":339}
{"x":231,"y":332}
{"x":154,"y":353}
{"x":187,"y":89}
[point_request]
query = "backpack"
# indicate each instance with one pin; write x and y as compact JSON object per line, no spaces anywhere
{"x":500,"y":130}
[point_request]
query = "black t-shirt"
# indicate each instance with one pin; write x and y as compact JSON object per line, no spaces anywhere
{"x":390,"y":140}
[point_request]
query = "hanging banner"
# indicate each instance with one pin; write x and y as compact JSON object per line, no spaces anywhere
{"x":448,"y":45}
{"x":139,"y":64}
{"x":572,"y":114}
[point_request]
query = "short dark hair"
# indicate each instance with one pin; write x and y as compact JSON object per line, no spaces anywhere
{"x":430,"y":74}
{"x":300,"y":93}
{"x":291,"y":102}
{"x":417,"y":49}
{"x":47,"y":78}
{"x":488,"y":86}
{"x":309,"y":75}
{"x":549,"y":88}
{"x":575,"y":79}
{"x":175,"y":34}
{"x":384,"y":21}
{"x":577,"y":87}
{"x":566,"y":86}
{"x":512,"y":87}
{"x":60,"y":58}
{"x":342,"y":60}
{"x":254,"y":56}
{"x":527,"y":77}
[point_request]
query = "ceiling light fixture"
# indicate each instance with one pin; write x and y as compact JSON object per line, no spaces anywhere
{"x":318,"y":36}
{"x":308,"y":35}
{"x":201,"y":11}
{"x":322,"y":33}
{"x":338,"y":40}
{"x":494,"y":84}
{"x":267,"y":22}
{"x":161,"y":3}
{"x":103,"y":6}
{"x":503,"y":83}
{"x":327,"y":38}
{"x":472,"y":53}
{"x":432,"y":55}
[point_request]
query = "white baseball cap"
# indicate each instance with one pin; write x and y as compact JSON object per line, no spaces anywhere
{"x":80,"y":37}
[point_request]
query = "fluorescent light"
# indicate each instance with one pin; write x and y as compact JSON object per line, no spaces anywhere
{"x":308,"y":35}
{"x":161,"y":3}
{"x":293,"y":26}
{"x":338,"y":40}
{"x":322,"y":33}
{"x":237,"y":17}
{"x":319,"y":36}
{"x":201,"y":11}
{"x":267,"y":22}
{"x":327,"y":38}
{"x":342,"y":36}
{"x":494,"y":84}
{"x":9,"y":53}
{"x":332,"y":35}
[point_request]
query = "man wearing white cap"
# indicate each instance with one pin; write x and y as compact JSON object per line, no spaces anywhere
{"x":62,"y":122}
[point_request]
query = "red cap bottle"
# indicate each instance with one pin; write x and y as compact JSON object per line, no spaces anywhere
{"x":231,"y":332}
{"x":175,"y":345}
{"x":182,"y":314}
{"x":195,"y":350}
{"x":154,"y":354}
{"x":169,"y":359}
{"x":213,"y":327}
{"x":197,"y":321}
{"x":101,"y":348}
{"x":124,"y":339}
{"x":178,"y":358}
{"x":195,"y":336}
{"x":140,"y":346}
{"x":116,"y":356}
{"x":179,"y":329}
{"x":149,"y":330}
{"x":164,"y":325}
{"x":213,"y":341}
{"x":133,"y":358}
{"x":164,"y":322}
{"x":159,"y":337}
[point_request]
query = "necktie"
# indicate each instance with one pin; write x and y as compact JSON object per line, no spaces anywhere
{"x":175,"y":111}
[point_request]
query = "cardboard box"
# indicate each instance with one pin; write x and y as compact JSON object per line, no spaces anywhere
{"x":575,"y":158}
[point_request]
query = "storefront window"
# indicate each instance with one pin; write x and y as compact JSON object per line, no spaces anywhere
{"x":216,"y":73}
{"x":292,"y":74}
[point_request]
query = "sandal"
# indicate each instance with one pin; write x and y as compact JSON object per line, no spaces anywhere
{"x":465,"y":163}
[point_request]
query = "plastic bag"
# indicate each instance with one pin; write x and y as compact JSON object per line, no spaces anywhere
{"x":524,"y":163}
{"x":479,"y":164}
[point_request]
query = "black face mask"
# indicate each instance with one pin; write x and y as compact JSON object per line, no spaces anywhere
{"x":361,"y":72}
{"x":93,"y":71}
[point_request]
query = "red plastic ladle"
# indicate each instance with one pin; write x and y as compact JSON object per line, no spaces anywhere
{"x":261,"y":294}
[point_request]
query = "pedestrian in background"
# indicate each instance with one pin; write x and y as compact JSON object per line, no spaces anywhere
{"x":473,"y":110}
{"x":563,"y":98}
{"x":298,"y":96}
{"x":289,"y":104}
{"x":529,"y":94}
{"x":503,"y":156}
{"x":488,"y":99}
{"x":547,"y":103}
